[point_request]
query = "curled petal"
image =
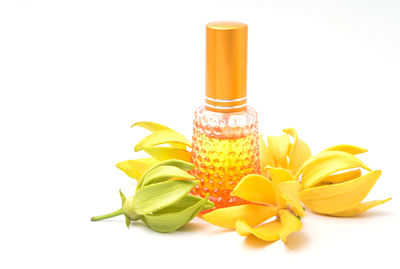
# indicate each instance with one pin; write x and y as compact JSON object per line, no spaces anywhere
{"x":167,"y":163}
{"x":268,"y":232}
{"x":167,"y":153}
{"x":177,"y":163}
{"x":289,"y":223}
{"x":329,"y":199}
{"x":341,"y":177}
{"x":154,"y":197}
{"x":289,"y":191}
{"x":326,"y":163}
{"x":151,"y":126}
{"x":136,"y":168}
{"x":266,"y":158}
{"x":242,"y":228}
{"x":279,"y":147}
{"x":360,"y":208}
{"x":172,"y":218}
{"x":155,"y":127}
{"x":279,"y":175}
{"x":347,"y":148}
{"x":162,"y":137}
{"x":252,"y":214}
{"x":163,"y":173}
{"x":299,"y":152}
{"x":256,"y":189}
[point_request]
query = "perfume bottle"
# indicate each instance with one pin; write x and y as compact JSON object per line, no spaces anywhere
{"x":225,"y":132}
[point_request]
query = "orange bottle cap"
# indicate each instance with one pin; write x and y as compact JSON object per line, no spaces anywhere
{"x":226,"y":66}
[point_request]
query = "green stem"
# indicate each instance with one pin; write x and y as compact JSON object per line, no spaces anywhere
{"x":109,"y":215}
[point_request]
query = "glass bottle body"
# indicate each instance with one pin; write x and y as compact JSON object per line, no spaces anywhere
{"x":225,"y":149}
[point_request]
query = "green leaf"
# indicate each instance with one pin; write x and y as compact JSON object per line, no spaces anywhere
{"x":123,"y":198}
{"x":128,"y":208}
{"x":177,"y":163}
{"x":175,"y":216}
{"x":187,"y":201}
{"x":160,"y":195}
{"x":163,"y":173}
{"x":173,"y":162}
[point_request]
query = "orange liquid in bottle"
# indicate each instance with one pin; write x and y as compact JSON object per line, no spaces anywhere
{"x":225,"y":149}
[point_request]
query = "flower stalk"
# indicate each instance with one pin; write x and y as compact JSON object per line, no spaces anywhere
{"x":109,"y":215}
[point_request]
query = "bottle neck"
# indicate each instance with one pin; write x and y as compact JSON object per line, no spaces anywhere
{"x":226,"y":105}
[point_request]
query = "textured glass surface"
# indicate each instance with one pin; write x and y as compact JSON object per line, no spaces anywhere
{"x":225,"y":149}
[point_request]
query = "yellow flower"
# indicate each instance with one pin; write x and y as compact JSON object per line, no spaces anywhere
{"x":278,"y":197}
{"x":162,"y":144}
{"x":333,"y":184}
{"x":282,"y":153}
{"x":331,"y":181}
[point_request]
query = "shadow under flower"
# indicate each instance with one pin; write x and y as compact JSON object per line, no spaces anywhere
{"x":192,"y":227}
{"x":297,"y":240}
{"x":253,"y":242}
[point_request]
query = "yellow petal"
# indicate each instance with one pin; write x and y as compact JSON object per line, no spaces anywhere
{"x":155,"y":127}
{"x":279,"y":147}
{"x":341,"y":177}
{"x":328,"y":199}
{"x":167,"y":153}
{"x":267,"y":232}
{"x":279,"y":175}
{"x":255,"y":188}
{"x":289,"y":191}
{"x":299,"y":152}
{"x":151,"y":126}
{"x":162,"y":137}
{"x":252,"y":214}
{"x":360,"y":208}
{"x":347,"y":148}
{"x":242,"y":228}
{"x":289,"y":223}
{"x":136,"y":168}
{"x":326,"y":163}
{"x":266,"y":158}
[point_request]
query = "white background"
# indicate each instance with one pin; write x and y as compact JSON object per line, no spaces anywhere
{"x":74,"y":75}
